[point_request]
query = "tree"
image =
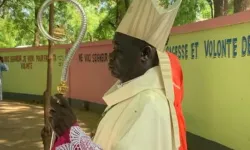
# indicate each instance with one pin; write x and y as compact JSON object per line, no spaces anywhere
{"x":36,"y":41}
{"x":47,"y":129}
{"x":241,"y":5}
{"x":2,"y":2}
{"x":210,"y":2}
{"x":7,"y":33}
{"x":103,"y":18}
{"x":187,"y":11}
{"x":220,"y":8}
{"x":23,"y":15}
{"x":112,"y":13}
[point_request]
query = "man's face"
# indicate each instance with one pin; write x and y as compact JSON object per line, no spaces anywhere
{"x":124,"y":61}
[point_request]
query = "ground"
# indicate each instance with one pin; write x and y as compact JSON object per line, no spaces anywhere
{"x":20,"y":125}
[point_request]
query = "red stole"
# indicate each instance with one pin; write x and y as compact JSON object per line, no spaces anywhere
{"x":178,"y":93}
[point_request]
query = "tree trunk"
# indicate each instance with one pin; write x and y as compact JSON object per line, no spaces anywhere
{"x":127,"y":2}
{"x":90,"y":37}
{"x":3,"y":9}
{"x":117,"y":14}
{"x":47,"y":128}
{"x":1,"y":4}
{"x":36,"y":40}
{"x":220,"y":8}
{"x":241,"y":5}
{"x":121,"y":11}
{"x":210,"y":2}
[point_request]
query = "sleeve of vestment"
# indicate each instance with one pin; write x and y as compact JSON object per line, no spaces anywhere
{"x":75,"y":139}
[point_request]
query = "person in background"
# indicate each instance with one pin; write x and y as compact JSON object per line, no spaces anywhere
{"x":3,"y":67}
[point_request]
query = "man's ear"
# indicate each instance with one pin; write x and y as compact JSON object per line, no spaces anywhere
{"x":146,"y":53}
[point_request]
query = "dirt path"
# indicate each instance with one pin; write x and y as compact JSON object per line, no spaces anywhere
{"x":20,"y":125}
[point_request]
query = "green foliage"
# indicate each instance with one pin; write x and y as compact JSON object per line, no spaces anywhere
{"x":189,"y":11}
{"x":103,"y":16}
{"x":204,"y":10}
{"x":94,"y":18}
{"x":7,"y":34}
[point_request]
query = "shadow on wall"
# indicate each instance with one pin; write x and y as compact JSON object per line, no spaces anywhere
{"x":198,"y":143}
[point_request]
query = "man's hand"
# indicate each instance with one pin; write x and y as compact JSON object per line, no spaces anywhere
{"x":61,"y":115}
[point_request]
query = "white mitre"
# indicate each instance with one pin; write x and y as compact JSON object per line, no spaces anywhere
{"x":148,"y":21}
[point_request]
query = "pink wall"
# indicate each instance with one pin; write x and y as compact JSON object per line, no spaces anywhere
{"x":89,"y":77}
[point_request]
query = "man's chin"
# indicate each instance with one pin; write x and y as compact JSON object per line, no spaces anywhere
{"x":115,"y":74}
